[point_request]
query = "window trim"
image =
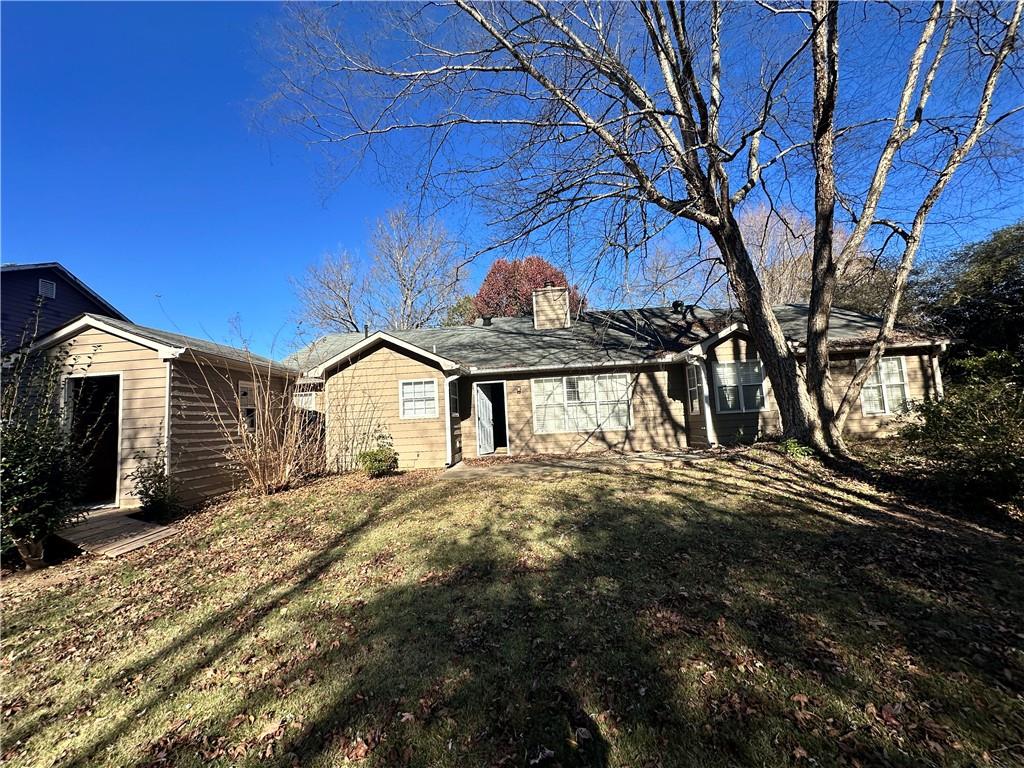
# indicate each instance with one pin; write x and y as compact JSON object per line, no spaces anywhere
{"x":565,"y":400}
{"x":401,"y":404}
{"x":739,"y":385}
{"x":243,"y":422}
{"x":693,"y":384}
{"x":882,"y":384}
{"x":454,"y":405}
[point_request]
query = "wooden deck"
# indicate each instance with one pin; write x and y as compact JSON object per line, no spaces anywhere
{"x":111,"y":533}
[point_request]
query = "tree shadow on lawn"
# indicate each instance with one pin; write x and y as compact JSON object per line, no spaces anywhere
{"x":694,"y":618}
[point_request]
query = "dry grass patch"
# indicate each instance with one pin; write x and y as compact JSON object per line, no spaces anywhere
{"x":751,"y":610}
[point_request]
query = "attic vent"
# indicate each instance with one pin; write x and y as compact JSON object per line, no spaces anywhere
{"x":48,"y":289}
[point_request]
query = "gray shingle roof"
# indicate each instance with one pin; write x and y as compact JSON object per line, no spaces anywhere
{"x":199,"y":346}
{"x":596,"y":338}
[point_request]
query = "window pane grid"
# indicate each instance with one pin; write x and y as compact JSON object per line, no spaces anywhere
{"x":885,"y":390}
{"x":739,"y":386}
{"x":694,"y":395}
{"x":419,"y":399}
{"x":581,"y":403}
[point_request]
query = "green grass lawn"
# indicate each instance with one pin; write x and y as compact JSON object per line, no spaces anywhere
{"x":746,"y":611}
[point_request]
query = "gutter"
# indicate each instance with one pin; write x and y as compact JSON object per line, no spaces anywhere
{"x":571,"y":366}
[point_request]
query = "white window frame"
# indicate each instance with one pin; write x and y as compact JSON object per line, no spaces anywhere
{"x":401,"y":400}
{"x":453,"y":399}
{"x":597,"y":403}
{"x":739,"y":385}
{"x":243,"y":417}
{"x":883,"y":385}
{"x":693,"y":389}
{"x":304,"y":400}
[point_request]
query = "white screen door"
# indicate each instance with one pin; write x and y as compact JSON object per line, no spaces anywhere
{"x":484,"y":421}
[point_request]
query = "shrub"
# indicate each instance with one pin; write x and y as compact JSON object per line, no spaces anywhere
{"x":973,"y":439}
{"x":42,"y":471}
{"x":154,"y":488}
{"x":382,"y":459}
{"x":795,"y":450}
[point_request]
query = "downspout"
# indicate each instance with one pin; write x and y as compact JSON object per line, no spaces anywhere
{"x":937,"y":372}
{"x":167,"y":422}
{"x":448,"y":419}
{"x":709,"y":422}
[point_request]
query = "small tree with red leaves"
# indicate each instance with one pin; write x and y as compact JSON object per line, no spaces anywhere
{"x":507,"y":291}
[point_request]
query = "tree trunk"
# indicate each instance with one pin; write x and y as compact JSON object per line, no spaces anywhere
{"x":799,"y":420}
{"x":32,"y":553}
{"x":824,"y":270}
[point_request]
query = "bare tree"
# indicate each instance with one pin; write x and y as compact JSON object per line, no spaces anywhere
{"x":628,"y":118}
{"x":411,"y":281}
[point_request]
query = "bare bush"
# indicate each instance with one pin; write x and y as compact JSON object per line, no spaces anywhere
{"x":262,"y":435}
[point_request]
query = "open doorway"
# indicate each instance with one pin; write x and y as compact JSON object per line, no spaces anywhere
{"x":491,"y":419}
{"x":94,"y":406}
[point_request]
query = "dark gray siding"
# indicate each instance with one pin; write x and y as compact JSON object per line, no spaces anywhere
{"x":19,"y":291}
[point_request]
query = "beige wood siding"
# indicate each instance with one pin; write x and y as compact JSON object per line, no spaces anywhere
{"x":745,"y":427}
{"x":198,"y":447}
{"x":551,"y":308}
{"x":143,"y":395}
{"x":921,"y":385}
{"x":364,"y":393}
{"x":657,"y":406}
{"x":732,"y":427}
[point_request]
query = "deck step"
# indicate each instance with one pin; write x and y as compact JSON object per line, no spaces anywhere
{"x":114,"y":535}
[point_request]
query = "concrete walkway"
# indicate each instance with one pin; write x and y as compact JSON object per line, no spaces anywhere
{"x":111,"y":533}
{"x":557,"y":466}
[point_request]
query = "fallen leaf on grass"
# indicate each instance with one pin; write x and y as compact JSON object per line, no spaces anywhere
{"x":271,"y":729}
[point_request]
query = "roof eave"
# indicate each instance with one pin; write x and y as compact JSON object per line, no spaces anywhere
{"x":87,"y":320}
{"x":380,"y":337}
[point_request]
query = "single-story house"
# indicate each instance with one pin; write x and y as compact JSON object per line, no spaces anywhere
{"x":151,"y":393}
{"x":660,"y":378}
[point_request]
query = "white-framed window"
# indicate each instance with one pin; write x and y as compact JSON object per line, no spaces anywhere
{"x":417,"y":399}
{"x":581,"y":403}
{"x":885,"y":390}
{"x":694,"y":390}
{"x":304,"y":400}
{"x":739,"y":386}
{"x":247,"y":404}
{"x":453,"y":398}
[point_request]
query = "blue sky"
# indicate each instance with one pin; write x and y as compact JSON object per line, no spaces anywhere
{"x":129,"y":155}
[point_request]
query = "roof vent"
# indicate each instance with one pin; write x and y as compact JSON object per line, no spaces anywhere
{"x":679,"y":307}
{"x":487,"y":319}
{"x":48,"y":289}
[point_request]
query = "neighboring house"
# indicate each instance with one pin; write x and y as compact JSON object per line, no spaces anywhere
{"x":44,"y":294}
{"x":151,"y":391}
{"x":630,"y":380}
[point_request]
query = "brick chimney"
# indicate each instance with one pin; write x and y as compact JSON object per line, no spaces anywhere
{"x":551,"y":307}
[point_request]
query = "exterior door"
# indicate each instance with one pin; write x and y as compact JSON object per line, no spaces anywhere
{"x":484,"y":421}
{"x":93,"y":405}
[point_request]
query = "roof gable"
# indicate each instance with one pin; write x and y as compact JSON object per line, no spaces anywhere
{"x":53,"y":266}
{"x":374,"y":340}
{"x":168,"y":345}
